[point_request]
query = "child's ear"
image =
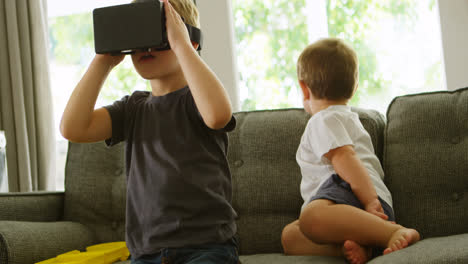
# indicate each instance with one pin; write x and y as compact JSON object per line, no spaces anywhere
{"x":305,"y":90}
{"x":355,"y":88}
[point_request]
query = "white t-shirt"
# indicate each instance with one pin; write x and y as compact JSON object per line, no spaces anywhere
{"x":328,"y":129}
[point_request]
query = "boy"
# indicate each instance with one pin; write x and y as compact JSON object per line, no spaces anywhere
{"x":346,"y":204}
{"x":178,"y":180}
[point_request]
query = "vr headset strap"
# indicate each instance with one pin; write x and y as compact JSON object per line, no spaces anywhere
{"x":195,"y":35}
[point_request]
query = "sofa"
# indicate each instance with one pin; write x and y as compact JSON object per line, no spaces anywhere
{"x":422,"y":144}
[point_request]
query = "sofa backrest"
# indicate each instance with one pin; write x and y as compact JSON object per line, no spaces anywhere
{"x":426,"y":161}
{"x":265,"y":178}
{"x":95,"y":189}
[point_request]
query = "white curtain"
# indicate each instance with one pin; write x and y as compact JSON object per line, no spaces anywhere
{"x":26,"y":112}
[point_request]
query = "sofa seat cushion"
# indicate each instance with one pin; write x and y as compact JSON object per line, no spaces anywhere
{"x":449,"y":249}
{"x":277,"y":258}
{"x":282,"y":259}
{"x":426,"y":161}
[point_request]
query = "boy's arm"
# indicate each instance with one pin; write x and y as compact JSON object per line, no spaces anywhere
{"x":208,"y":92}
{"x":349,"y":167}
{"x":80,"y":122}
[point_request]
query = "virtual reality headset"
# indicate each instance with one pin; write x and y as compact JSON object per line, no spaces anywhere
{"x":126,"y":29}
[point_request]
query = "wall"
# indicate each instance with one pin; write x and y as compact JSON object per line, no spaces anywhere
{"x":453,"y":24}
{"x":219,"y":50}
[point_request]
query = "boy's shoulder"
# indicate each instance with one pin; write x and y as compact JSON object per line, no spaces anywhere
{"x":140,"y":94}
{"x":134,"y":98}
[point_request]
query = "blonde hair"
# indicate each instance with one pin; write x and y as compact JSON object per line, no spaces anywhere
{"x":186,"y":9}
{"x":329,"y":68}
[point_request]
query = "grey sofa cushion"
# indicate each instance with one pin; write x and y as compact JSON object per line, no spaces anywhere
{"x":95,"y":189}
{"x":33,"y":207}
{"x":277,"y":258}
{"x":449,"y":249}
{"x":29,"y":242}
{"x":426,"y":161}
{"x":266,"y":177}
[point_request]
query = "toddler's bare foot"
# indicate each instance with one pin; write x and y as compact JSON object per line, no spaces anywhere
{"x":402,"y":238}
{"x":355,"y":253}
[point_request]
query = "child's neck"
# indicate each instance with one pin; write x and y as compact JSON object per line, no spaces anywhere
{"x":168,"y":84}
{"x":317,"y":105}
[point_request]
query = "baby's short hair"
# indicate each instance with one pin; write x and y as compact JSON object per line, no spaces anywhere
{"x":329,"y":67}
{"x":186,"y":9}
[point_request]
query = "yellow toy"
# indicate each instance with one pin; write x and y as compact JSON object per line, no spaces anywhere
{"x":106,"y":253}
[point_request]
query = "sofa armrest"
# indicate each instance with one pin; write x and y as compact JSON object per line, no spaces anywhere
{"x":33,"y":207}
{"x":30,"y":242}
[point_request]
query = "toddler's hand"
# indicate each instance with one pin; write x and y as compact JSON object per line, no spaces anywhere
{"x":375,"y":208}
{"x":177,"y":32}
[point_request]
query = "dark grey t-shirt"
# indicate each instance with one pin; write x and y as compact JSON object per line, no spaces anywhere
{"x":178,"y":180}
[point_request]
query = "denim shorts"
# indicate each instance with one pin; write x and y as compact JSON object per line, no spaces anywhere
{"x":207,"y":254}
{"x":338,"y":191}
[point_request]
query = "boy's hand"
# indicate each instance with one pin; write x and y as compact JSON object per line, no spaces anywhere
{"x":110,"y":60}
{"x":177,"y":32}
{"x":375,"y":208}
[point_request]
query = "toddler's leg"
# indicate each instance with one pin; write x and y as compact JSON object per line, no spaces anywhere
{"x":326,"y":222}
{"x":296,"y":243}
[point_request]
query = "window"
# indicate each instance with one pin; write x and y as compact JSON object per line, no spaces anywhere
{"x":71,"y":51}
{"x":398,"y":43}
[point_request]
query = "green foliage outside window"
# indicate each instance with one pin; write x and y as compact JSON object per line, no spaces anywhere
{"x":72,"y":43}
{"x":350,"y":20}
{"x":279,"y":27}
